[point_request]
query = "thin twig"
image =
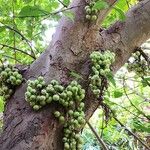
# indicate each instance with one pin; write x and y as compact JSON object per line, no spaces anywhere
{"x":102,"y":126}
{"x":4,"y":45}
{"x":127,"y":3}
{"x":135,"y":136}
{"x":127,"y":110}
{"x":132,"y":103}
{"x":14,"y":38}
{"x":143,"y":54}
{"x":12,"y":58}
{"x":98,"y":138}
{"x":50,"y":14}
{"x":22,"y":36}
{"x":1,"y":61}
{"x":62,"y":3}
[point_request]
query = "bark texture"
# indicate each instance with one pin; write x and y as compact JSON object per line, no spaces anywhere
{"x":69,"y":50}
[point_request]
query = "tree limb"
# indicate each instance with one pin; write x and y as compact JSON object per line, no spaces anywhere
{"x":124,"y":37}
{"x":135,"y":136}
{"x":98,"y":138}
{"x":4,"y":45}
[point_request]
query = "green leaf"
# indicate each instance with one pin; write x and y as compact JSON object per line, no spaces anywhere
{"x":111,"y":79}
{"x":32,"y":11}
{"x":27,"y":1}
{"x":142,"y":127}
{"x":122,"y":16}
{"x":69,"y":14}
{"x":117,"y":94}
{"x":66,"y":2}
{"x":100,"y":5}
{"x":146,"y":81}
{"x":2,"y":28}
{"x":75,"y":75}
{"x":1,"y":105}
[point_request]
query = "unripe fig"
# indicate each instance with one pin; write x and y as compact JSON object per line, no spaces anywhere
{"x":93,"y":17}
{"x":36,"y":107}
{"x":87,"y":7}
{"x":69,"y":93}
{"x":18,"y":82}
{"x":40,"y":78}
{"x":39,"y":86}
{"x":56,"y":97}
{"x":44,"y":92}
{"x":74,"y":83}
{"x":70,"y":112}
{"x":61,"y":119}
{"x":33,"y":97}
{"x":42,"y":103}
{"x":88,"y":17}
{"x":92,"y":4}
{"x":94,"y":11}
{"x":88,"y":11}
{"x":49,"y":100}
{"x":42,"y":98}
{"x":57,"y":114}
{"x":66,"y":146}
{"x":54,"y":82}
{"x":76,"y":114}
{"x":4,"y":74}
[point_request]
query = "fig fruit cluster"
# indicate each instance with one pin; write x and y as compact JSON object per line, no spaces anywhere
{"x":72,"y":99}
{"x":39,"y":94}
{"x":138,"y":64}
{"x":10,"y":78}
{"x":101,"y":62}
{"x":91,"y":13}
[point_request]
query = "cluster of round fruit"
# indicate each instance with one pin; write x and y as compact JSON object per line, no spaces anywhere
{"x":9,"y":79}
{"x":39,"y":94}
{"x":101,"y":63}
{"x":72,"y":98}
{"x":139,"y":65}
{"x":72,"y":92}
{"x":91,"y":13}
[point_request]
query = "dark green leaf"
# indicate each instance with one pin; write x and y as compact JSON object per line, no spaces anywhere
{"x":145,"y":81}
{"x":2,"y":28}
{"x":33,"y":11}
{"x":111,"y":79}
{"x":117,"y":94}
{"x":122,"y":16}
{"x":100,"y":5}
{"x":27,"y":1}
{"x":1,"y":105}
{"x":75,"y":75}
{"x":142,"y":127}
{"x":69,"y":14}
{"x":66,"y":2}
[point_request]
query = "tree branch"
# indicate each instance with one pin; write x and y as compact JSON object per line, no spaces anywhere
{"x":135,"y":136}
{"x":124,"y":37}
{"x":98,"y":138}
{"x":4,"y":45}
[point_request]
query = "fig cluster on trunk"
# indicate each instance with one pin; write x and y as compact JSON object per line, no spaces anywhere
{"x":91,"y":13}
{"x":138,"y":64}
{"x":39,"y":94}
{"x":10,"y":78}
{"x":101,"y":62}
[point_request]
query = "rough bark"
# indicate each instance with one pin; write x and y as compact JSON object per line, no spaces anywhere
{"x":69,"y":50}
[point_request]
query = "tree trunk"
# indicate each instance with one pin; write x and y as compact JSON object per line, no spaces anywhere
{"x":25,"y":129}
